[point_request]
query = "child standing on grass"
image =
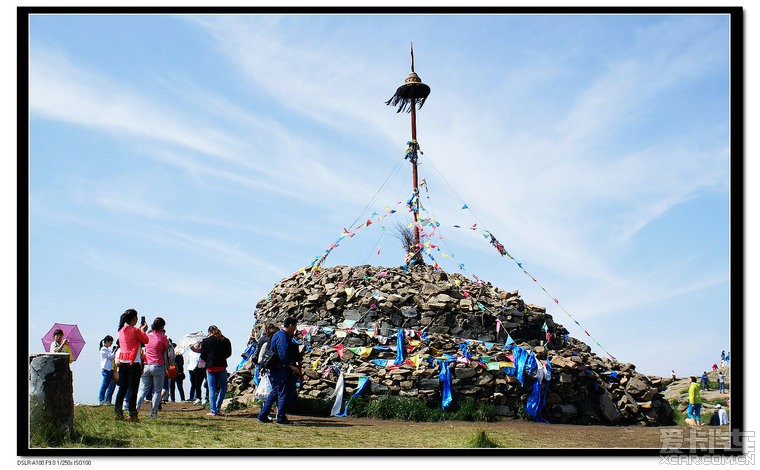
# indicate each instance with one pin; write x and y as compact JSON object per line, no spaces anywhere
{"x":106,"y":369}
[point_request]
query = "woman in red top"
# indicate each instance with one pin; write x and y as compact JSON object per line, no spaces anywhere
{"x":131,"y":340}
{"x":155,"y":368}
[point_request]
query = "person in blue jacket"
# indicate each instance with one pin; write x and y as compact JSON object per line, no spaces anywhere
{"x":282,"y":372}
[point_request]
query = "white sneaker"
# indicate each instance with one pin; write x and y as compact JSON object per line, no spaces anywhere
{"x":204,"y":402}
{"x":197,"y":402}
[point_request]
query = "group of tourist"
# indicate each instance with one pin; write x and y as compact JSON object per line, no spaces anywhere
{"x":141,"y":358}
{"x":694,"y":407}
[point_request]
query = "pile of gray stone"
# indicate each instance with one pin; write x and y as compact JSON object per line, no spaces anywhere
{"x":351,"y":316}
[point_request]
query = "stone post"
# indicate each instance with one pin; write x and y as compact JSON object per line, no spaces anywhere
{"x":51,"y":393}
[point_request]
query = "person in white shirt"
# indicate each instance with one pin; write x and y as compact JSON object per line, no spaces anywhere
{"x":197,"y":370}
{"x":722,"y":414}
{"x":106,"y":369}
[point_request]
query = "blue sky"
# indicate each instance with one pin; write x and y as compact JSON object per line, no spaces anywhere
{"x":183,"y":165}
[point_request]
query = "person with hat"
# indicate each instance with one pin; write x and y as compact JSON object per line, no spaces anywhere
{"x":722,"y":415}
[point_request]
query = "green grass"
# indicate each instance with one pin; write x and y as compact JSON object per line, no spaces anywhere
{"x":43,"y":433}
{"x":95,"y":427}
{"x":715,"y":401}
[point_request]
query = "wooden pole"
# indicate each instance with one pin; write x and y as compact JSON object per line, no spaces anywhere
{"x":414,"y":175}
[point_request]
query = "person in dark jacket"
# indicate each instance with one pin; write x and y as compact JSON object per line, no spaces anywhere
{"x":284,"y":369}
{"x":215,"y":349}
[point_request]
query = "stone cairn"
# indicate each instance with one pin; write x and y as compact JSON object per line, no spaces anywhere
{"x":361,"y":307}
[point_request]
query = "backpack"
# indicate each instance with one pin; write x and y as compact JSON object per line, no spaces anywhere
{"x":267,"y":356}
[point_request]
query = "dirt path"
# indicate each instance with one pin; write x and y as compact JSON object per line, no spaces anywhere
{"x":523,"y":434}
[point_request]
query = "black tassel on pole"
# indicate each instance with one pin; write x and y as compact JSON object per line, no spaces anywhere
{"x":404,"y":95}
{"x":412,"y":91}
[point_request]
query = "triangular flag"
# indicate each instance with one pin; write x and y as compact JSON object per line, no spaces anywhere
{"x":509,"y":340}
{"x":545,"y":327}
{"x":465,"y":207}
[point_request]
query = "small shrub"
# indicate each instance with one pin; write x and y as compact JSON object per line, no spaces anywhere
{"x":678,"y":416}
{"x":235,"y":406}
{"x":414,"y":409}
{"x":470,"y":410}
{"x":417,"y":411}
{"x":522,"y":414}
{"x":313,"y":407}
{"x":387,"y":407}
{"x":481,"y":440}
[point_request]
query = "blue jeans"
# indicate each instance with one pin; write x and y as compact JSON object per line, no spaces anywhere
{"x":694,"y":411}
{"x":280,"y":392}
{"x":106,"y":387}
{"x":152,"y":374}
{"x":217,"y":384}
{"x":722,"y":387}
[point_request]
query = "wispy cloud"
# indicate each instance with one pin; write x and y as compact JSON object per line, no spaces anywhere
{"x":161,"y":279}
{"x":281,"y":161}
{"x":127,"y":203}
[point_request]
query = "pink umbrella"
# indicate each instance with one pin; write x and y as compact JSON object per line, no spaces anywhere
{"x":70,"y":332}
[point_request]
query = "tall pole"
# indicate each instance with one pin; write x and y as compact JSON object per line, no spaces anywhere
{"x":415,"y":183}
{"x":412,"y":93}
{"x":414,"y":179}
